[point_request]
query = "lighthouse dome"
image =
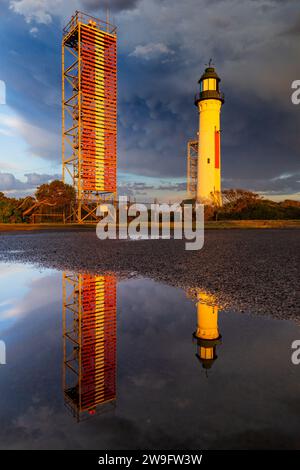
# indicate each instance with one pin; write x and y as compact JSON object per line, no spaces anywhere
{"x":209,"y":73}
{"x":209,"y":86}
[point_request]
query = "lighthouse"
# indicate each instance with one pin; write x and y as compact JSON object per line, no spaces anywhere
{"x":209,"y":101}
{"x":207,"y":332}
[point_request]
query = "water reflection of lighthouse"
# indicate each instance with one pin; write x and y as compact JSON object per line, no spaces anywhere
{"x":89,"y":333}
{"x":207,"y":333}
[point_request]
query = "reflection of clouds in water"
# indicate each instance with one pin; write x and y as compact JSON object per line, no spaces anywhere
{"x":35,"y":419}
{"x":164,"y":400}
{"x":44,"y":427}
{"x":24,"y":287}
{"x":13,"y":285}
{"x":6,"y":302}
{"x":241,"y":390}
{"x":163,"y":307}
{"x":41,"y":292}
{"x":32,"y":345}
{"x":12,"y":270}
{"x":149,"y":380}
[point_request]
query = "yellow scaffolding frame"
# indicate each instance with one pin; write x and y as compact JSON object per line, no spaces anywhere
{"x":76,"y":153}
{"x":89,"y":343}
{"x":192,"y":165}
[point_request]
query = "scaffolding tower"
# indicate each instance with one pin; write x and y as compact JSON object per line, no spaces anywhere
{"x":89,"y":112}
{"x":89,"y":343}
{"x":192,"y":164}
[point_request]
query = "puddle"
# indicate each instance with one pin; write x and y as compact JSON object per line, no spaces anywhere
{"x":97,"y":363}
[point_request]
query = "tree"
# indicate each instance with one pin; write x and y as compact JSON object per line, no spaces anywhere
{"x":241,"y":204}
{"x":9,"y":212}
{"x":239,"y":198}
{"x":56,"y":193}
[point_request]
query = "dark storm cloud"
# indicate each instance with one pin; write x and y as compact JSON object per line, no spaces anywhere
{"x":259,"y":140}
{"x":285,"y":184}
{"x":33,"y":80}
{"x":163,"y":48}
{"x":259,"y":123}
{"x":8,"y":181}
{"x":114,"y":5}
{"x":294,"y":29}
{"x":152,"y":141}
{"x":172,"y":187}
{"x":132,"y":189}
{"x":138,"y":188}
{"x":35,"y":179}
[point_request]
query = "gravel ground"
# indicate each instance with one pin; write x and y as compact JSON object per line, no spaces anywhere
{"x":247,"y":270}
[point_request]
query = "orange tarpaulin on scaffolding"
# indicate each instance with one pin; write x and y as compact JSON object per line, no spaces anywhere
{"x":98,"y":340}
{"x":217,"y":149}
{"x":99,"y":109}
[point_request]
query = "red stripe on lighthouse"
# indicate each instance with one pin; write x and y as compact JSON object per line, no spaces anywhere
{"x":217,"y":149}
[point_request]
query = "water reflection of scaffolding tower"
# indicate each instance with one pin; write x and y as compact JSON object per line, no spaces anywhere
{"x":89,"y":334}
{"x":89,"y":114}
{"x":192,"y":163}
